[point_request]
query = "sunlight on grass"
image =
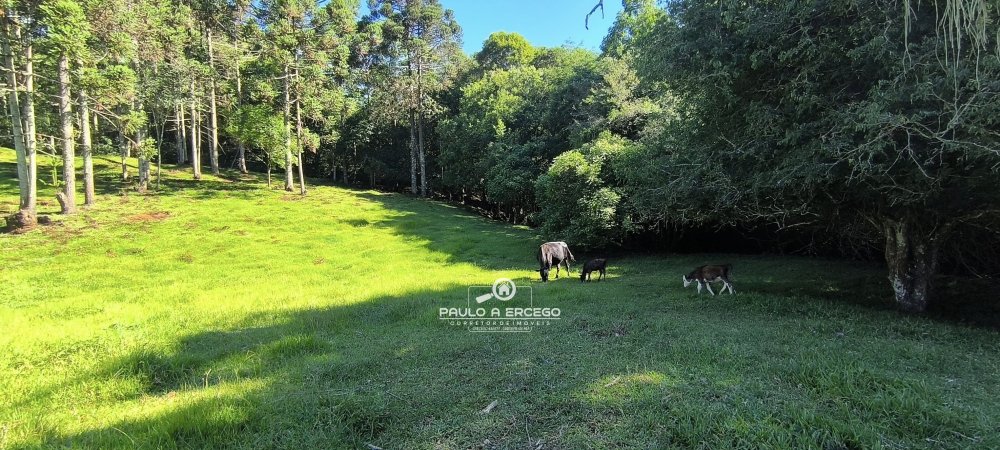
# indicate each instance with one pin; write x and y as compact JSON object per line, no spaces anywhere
{"x":617,"y":388}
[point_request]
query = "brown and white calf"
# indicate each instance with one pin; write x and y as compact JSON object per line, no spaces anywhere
{"x":704,"y":275}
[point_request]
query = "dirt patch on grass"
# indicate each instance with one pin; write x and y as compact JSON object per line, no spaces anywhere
{"x":59,"y":232}
{"x":155,"y":216}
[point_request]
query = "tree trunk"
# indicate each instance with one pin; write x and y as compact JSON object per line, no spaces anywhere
{"x":30,"y":144}
{"x":87,"y":148}
{"x":199,"y":143}
{"x":181,"y":136}
{"x":241,"y":158}
{"x":241,"y":154}
{"x":159,"y":149}
{"x":911,"y":253}
{"x":302,"y":177}
{"x":213,"y":120}
{"x":289,"y":181}
{"x":298,"y":134}
{"x":55,"y":172}
{"x":14,"y":108}
{"x":143,"y":158}
{"x":420,"y":129}
{"x":68,"y":151}
{"x":421,"y":154}
{"x":413,"y":155}
{"x":195,"y":151}
{"x":123,"y":151}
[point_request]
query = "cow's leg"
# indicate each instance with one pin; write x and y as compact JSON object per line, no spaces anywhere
{"x":731,"y":291}
{"x":699,"y":287}
{"x":709,"y":287}
{"x":557,"y":270}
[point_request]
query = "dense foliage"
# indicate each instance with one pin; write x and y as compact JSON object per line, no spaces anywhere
{"x":827,"y":122}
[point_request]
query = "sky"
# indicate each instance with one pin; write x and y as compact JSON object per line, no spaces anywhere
{"x":545,"y":23}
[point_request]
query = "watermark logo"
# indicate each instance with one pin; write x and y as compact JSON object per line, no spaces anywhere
{"x":503,"y":289}
{"x":504,"y":307}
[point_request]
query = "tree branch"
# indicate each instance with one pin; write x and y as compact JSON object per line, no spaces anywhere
{"x":586,"y":20}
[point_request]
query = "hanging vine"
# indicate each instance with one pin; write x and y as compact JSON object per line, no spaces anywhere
{"x":957,"y":20}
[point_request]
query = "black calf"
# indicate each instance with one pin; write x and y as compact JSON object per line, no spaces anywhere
{"x":600,"y":265}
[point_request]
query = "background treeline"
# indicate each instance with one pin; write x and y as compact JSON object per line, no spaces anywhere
{"x":848,"y":127}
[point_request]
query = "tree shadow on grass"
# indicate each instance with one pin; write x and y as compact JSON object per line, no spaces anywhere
{"x":330,"y":377}
{"x":483,"y":242}
{"x":388,"y":372}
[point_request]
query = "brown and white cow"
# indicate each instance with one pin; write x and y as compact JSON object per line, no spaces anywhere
{"x":703,"y":275}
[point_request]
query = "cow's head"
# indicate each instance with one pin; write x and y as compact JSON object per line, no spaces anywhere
{"x":544,"y":272}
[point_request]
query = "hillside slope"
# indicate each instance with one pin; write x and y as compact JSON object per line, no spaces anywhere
{"x":226,"y":314}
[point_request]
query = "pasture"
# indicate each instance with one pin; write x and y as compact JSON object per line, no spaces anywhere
{"x":225,"y":314}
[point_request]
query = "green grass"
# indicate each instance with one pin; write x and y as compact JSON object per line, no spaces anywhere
{"x":224,"y":314}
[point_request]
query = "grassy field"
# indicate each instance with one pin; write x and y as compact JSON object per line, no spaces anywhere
{"x":224,"y":314}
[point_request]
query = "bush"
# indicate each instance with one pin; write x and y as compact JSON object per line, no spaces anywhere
{"x":578,"y":197}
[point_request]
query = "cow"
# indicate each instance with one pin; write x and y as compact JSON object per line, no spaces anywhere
{"x":599,"y":264}
{"x":551,"y":253}
{"x":703,"y":275}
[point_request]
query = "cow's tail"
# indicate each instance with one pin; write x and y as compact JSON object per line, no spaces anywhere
{"x":571,"y":258}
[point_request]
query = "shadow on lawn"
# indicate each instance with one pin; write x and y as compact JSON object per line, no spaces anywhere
{"x":388,"y":372}
{"x":483,"y":242}
{"x":347,"y":376}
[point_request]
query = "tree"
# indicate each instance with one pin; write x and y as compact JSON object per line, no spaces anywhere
{"x":618,"y":102}
{"x":242,"y":29}
{"x":86,"y":146}
{"x":18,"y":48}
{"x":216,"y":19}
{"x":500,"y":107}
{"x":263,"y":129}
{"x":636,"y":18}
{"x":503,"y":50}
{"x":577,"y":197}
{"x":421,"y":37}
{"x":308,"y":48}
{"x":510,"y":124}
{"x":66,"y":31}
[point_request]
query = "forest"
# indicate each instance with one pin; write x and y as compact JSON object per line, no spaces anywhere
{"x":836,"y":128}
